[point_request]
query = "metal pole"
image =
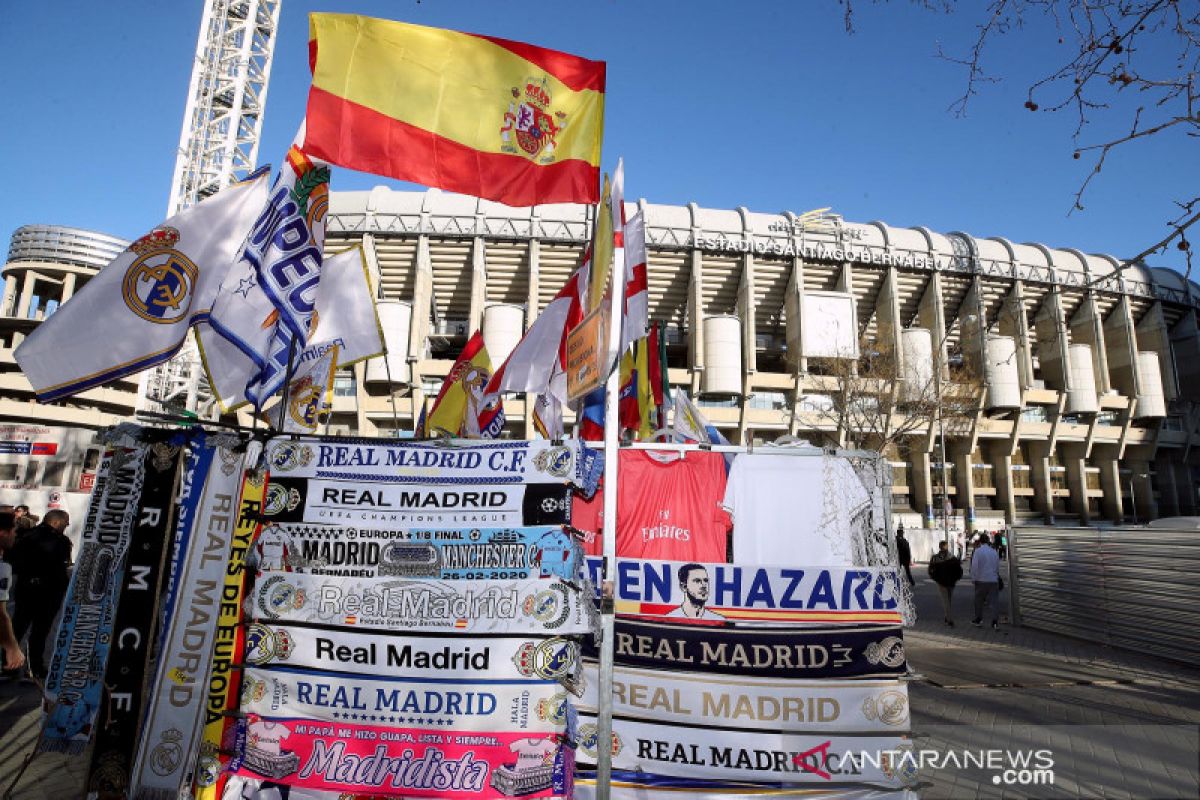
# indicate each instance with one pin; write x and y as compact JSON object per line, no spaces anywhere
{"x":612,"y":388}
{"x":942,"y":450}
{"x":1132,"y":500}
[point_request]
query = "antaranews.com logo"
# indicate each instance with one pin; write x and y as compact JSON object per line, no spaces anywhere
{"x":1007,"y":767}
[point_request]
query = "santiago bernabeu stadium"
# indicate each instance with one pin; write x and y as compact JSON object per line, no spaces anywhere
{"x":1089,"y":375}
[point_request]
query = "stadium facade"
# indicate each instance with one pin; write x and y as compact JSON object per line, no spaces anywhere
{"x":1088,"y":409}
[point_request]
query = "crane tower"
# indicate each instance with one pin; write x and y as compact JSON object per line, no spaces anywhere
{"x":222,"y":123}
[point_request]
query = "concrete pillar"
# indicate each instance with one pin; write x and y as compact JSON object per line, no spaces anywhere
{"x":532,"y":309}
{"x":1185,"y":354}
{"x":28,"y":281}
{"x":972,"y":321}
{"x":1013,"y":322}
{"x":366,"y":427}
{"x":1112,"y":505}
{"x":793,"y":301}
{"x":69,"y":283}
{"x":1121,"y":342}
{"x":999,"y":455}
{"x":696,"y":312}
{"x":478,"y":285}
{"x":1087,"y":327}
{"x":746,"y":302}
{"x":8,"y":307}
{"x":931,"y":314}
{"x":1052,"y":343}
{"x":1153,"y":335}
{"x":922,"y":482}
{"x":1039,"y":470}
{"x":1072,"y":457}
{"x":964,"y":478}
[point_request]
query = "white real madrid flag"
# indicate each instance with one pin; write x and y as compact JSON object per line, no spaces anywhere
{"x":136,"y":311}
{"x":264,"y":308}
{"x":345,"y":316}
{"x":309,"y":395}
{"x":345,"y":311}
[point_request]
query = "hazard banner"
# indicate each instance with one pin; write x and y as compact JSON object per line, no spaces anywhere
{"x":785,"y":595}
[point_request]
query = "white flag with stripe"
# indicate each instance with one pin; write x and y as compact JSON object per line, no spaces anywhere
{"x":136,"y":312}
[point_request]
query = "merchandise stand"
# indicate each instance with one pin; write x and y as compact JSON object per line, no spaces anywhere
{"x":611,"y":447}
{"x":608,"y":616}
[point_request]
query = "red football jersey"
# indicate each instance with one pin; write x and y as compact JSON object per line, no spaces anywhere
{"x":669,"y":508}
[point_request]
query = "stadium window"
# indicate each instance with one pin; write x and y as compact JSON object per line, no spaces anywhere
{"x":343,"y":386}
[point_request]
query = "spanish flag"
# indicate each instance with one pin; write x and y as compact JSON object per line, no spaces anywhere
{"x":462,"y":407}
{"x":493,"y":118}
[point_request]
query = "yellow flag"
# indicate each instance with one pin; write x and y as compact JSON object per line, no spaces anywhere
{"x":645,"y":390}
{"x":602,"y":247}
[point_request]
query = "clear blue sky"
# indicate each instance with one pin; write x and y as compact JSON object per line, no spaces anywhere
{"x":768,"y":105}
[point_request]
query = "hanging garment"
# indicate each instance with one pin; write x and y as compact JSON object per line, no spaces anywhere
{"x":670,"y":508}
{"x":794,"y":510}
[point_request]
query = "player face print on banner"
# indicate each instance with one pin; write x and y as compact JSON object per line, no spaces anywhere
{"x":784,"y":595}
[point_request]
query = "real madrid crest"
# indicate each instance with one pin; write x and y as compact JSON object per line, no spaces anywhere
{"x":554,"y":461}
{"x":889,"y":652}
{"x":549,"y":606}
{"x":588,"y":740}
{"x":264,"y":644}
{"x":305,"y":403}
{"x":551,"y":659}
{"x":158,"y":285}
{"x":287,"y":456}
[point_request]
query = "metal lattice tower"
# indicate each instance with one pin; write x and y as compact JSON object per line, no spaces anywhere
{"x":226,"y":98}
{"x":222,"y":124}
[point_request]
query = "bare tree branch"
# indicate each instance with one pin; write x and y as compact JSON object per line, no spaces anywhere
{"x":1117,"y":48}
{"x":874,"y":402}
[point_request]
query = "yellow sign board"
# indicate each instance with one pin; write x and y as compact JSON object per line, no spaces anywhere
{"x":587,"y":350}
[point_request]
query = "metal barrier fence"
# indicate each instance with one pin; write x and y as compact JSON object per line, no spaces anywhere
{"x":1134,"y":588}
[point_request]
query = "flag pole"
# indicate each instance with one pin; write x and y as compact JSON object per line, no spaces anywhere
{"x":607,"y":611}
{"x":287,"y":381}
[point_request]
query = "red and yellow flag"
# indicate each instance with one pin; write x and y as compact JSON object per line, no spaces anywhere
{"x":463,"y":408}
{"x":493,"y":118}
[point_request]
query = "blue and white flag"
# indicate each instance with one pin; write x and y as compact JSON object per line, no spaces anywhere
{"x":136,"y":312}
{"x":265,"y":307}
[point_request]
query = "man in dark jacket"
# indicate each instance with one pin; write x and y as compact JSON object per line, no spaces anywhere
{"x":905,"y":552}
{"x":40,"y":560}
{"x":945,"y":569}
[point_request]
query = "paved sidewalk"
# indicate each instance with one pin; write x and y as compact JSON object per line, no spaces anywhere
{"x":1135,"y":717}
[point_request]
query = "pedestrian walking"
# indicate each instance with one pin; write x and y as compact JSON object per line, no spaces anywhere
{"x":1002,"y":544}
{"x":40,"y":561}
{"x":11,"y":657}
{"x":945,"y":569}
{"x":905,"y":552}
{"x":985,"y":573}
